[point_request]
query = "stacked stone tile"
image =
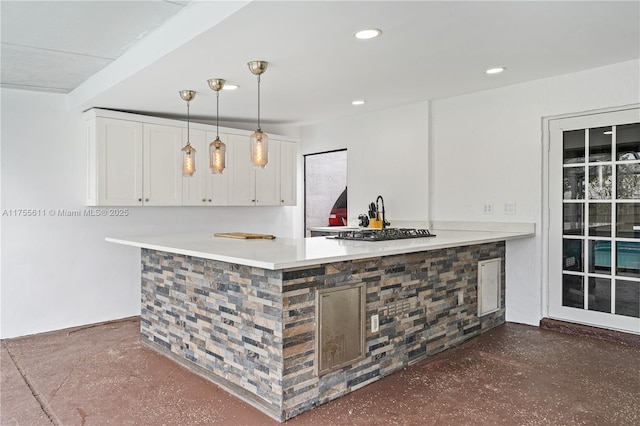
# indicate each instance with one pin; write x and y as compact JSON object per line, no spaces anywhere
{"x":253,"y":330}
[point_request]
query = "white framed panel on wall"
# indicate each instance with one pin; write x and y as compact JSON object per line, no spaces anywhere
{"x":489,"y":285}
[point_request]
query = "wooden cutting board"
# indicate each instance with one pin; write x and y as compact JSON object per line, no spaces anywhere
{"x":245,"y":236}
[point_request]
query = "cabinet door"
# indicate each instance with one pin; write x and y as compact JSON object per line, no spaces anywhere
{"x":288,"y":173}
{"x":119,"y":162}
{"x":162,"y":177}
{"x":218,"y":184}
{"x":194,"y":188}
{"x":242,"y":187}
{"x":268,"y":179}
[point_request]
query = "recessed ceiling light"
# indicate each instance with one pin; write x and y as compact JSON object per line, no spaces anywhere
{"x":367,"y":34}
{"x":358,"y":102}
{"x":608,"y":132}
{"x":497,"y":70}
{"x":228,"y":86}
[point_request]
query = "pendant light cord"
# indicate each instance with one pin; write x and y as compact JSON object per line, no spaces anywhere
{"x":258,"y":101}
{"x":188,"y":118}
{"x":217,"y":111}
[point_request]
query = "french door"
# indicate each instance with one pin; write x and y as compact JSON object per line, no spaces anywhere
{"x":594,"y":220}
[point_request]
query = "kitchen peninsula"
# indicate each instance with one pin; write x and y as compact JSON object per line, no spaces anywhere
{"x":255,"y":316}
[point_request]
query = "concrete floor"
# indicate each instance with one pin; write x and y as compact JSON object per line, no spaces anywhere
{"x":512,"y":375}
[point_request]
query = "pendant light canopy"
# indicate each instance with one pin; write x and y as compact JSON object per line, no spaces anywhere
{"x":188,"y":152}
{"x":217,"y":148}
{"x":259,"y":140}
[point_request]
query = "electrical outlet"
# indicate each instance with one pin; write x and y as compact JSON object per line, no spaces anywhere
{"x":375,"y":323}
{"x":488,"y":209}
{"x":509,"y":208}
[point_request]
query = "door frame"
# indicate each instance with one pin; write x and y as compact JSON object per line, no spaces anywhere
{"x":546,"y":213}
{"x":304,"y":181}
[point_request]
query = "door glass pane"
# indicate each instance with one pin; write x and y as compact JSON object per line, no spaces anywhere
{"x":628,"y":218}
{"x":573,"y":146}
{"x":572,"y":255}
{"x":600,"y":219}
{"x":628,"y":298}
{"x":600,"y":257}
{"x":600,"y":144}
{"x":573,"y":183}
{"x":600,"y":182}
{"x":628,"y":258}
{"x":628,"y":142}
{"x":599,"y":294}
{"x":628,"y":181}
{"x":572,"y":291}
{"x":573,"y":222}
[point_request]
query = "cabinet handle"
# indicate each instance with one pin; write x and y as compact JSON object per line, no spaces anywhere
{"x":209,"y":200}
{"x":253,"y":201}
{"x":204,"y":200}
{"x":282,"y":201}
{"x":140,"y":199}
{"x":146,"y":199}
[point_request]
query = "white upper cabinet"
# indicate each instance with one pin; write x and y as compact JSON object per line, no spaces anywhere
{"x":268,"y":179}
{"x":218,"y":184}
{"x":241,"y":172}
{"x":115,"y":163}
{"x":288,"y":173}
{"x":162,"y":165}
{"x":205,"y":188}
{"x":249,"y":185}
{"x":134,"y":160}
{"x":194,"y":188}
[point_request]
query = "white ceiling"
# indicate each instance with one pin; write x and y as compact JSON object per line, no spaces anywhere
{"x":428,"y":50}
{"x":54,"y":46}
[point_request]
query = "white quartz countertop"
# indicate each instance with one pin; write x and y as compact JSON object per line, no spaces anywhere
{"x":282,"y":253}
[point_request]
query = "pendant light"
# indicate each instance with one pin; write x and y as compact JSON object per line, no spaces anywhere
{"x":188,"y":152}
{"x":259,"y":141}
{"x":217,"y":148}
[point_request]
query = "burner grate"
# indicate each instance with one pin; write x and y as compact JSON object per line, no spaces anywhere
{"x":383,"y":234}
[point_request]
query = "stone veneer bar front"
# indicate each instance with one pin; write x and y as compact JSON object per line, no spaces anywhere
{"x":252,"y":330}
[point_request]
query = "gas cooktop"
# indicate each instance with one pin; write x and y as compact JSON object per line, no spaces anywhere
{"x":383,"y":234}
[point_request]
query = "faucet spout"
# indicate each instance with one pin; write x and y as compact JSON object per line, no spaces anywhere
{"x":384,"y":221}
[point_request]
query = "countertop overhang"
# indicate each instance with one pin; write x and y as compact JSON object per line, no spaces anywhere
{"x":283,"y":253}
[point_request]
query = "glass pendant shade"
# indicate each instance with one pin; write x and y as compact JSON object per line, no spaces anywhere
{"x":259,"y":149}
{"x":188,"y":160}
{"x":217,"y":148}
{"x":217,"y":155}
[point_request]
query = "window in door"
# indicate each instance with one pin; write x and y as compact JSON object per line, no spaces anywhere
{"x":599,"y":240}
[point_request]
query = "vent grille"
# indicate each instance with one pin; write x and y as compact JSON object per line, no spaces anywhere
{"x":400,"y":307}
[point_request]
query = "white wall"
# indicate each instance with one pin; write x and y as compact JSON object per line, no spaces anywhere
{"x":57,"y":271}
{"x":487,"y":148}
{"x":387,"y":155}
